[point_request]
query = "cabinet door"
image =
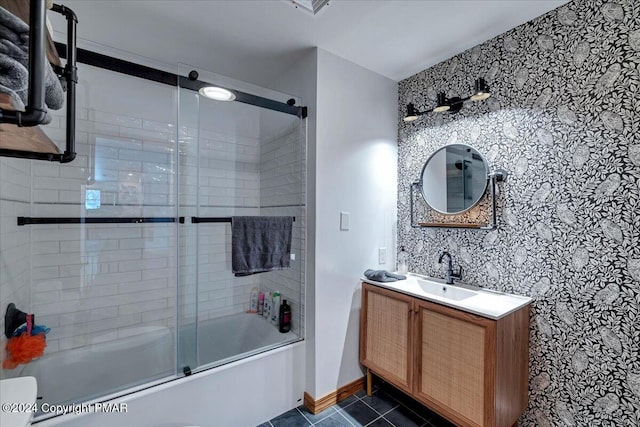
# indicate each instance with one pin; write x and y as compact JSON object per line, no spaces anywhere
{"x":455,"y":364}
{"x":385,"y":335}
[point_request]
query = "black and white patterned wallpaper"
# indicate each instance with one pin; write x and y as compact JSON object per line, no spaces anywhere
{"x":564,"y":120}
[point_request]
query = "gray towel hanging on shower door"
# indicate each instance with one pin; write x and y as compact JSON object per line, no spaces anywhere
{"x":260,"y":244}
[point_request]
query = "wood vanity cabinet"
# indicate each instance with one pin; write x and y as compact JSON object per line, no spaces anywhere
{"x":470,"y":369}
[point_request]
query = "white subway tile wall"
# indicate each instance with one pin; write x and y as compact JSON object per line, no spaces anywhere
{"x":282,"y":192}
{"x":127,"y":269}
{"x":93,"y":283}
{"x":240,"y":168}
{"x":15,"y":256}
{"x":219,"y":177}
{"x":97,"y":282}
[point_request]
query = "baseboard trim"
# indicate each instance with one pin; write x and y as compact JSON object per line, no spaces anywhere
{"x":316,"y":406}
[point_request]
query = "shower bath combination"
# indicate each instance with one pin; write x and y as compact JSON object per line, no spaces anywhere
{"x":125,"y":252}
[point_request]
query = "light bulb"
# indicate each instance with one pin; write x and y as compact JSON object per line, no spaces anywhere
{"x":217,"y":93}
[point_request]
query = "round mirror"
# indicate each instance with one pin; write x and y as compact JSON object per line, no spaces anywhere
{"x":454,"y":179}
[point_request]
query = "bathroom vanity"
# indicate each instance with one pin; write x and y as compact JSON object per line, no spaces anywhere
{"x":462,"y":351}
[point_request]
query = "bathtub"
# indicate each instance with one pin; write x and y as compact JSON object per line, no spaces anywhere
{"x":144,"y":354}
{"x":239,"y":382}
{"x":145,"y":357}
{"x":229,"y":338}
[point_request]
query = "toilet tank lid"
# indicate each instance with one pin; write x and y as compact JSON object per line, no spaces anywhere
{"x":23,"y":390}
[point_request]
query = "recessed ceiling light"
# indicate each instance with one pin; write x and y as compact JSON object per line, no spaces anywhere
{"x":217,"y":93}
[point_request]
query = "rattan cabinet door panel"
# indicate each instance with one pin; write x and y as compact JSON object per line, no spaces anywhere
{"x":453,"y":364}
{"x":385,"y":336}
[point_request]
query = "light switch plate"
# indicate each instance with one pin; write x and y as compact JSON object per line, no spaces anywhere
{"x":344,"y":221}
{"x":382,"y":256}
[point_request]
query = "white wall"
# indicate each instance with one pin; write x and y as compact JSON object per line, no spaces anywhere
{"x":352,"y":128}
{"x":301,"y":79}
{"x":356,"y":157}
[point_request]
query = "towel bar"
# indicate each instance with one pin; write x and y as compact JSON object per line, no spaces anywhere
{"x":198,"y":219}
{"x":25,"y":220}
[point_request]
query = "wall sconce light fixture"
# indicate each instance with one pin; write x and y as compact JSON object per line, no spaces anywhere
{"x":452,"y":105}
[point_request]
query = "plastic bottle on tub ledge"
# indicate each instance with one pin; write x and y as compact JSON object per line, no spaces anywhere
{"x":275,"y":308}
{"x":253,"y":300}
{"x":260,"y":303}
{"x":285,"y":317}
{"x":266,"y":312}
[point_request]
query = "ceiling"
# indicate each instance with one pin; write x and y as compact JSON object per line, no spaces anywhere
{"x":255,"y":40}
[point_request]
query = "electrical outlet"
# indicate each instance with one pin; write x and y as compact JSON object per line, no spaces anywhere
{"x":382,"y":256}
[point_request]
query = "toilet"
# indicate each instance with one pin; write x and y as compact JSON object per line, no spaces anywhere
{"x":18,"y":397}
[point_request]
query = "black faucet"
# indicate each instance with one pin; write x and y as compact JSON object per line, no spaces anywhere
{"x":450,"y":274}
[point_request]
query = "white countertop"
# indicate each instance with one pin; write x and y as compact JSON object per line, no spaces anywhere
{"x":472,"y":299}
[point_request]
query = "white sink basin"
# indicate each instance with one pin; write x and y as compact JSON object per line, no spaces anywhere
{"x":472,"y":299}
{"x":20,"y":394}
{"x":444,"y":291}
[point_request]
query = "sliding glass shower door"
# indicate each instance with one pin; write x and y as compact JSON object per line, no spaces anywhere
{"x":105,"y":250}
{"x":235,"y":159}
{"x":89,"y":247}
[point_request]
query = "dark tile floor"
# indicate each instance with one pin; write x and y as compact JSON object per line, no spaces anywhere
{"x":386,"y":407}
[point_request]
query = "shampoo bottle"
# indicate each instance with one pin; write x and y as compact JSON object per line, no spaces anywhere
{"x":253,"y":301}
{"x":285,"y":317}
{"x":267,"y":305}
{"x":260,"y":303}
{"x":275,"y":309}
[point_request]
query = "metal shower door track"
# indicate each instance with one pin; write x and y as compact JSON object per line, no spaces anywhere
{"x":148,"y":73}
